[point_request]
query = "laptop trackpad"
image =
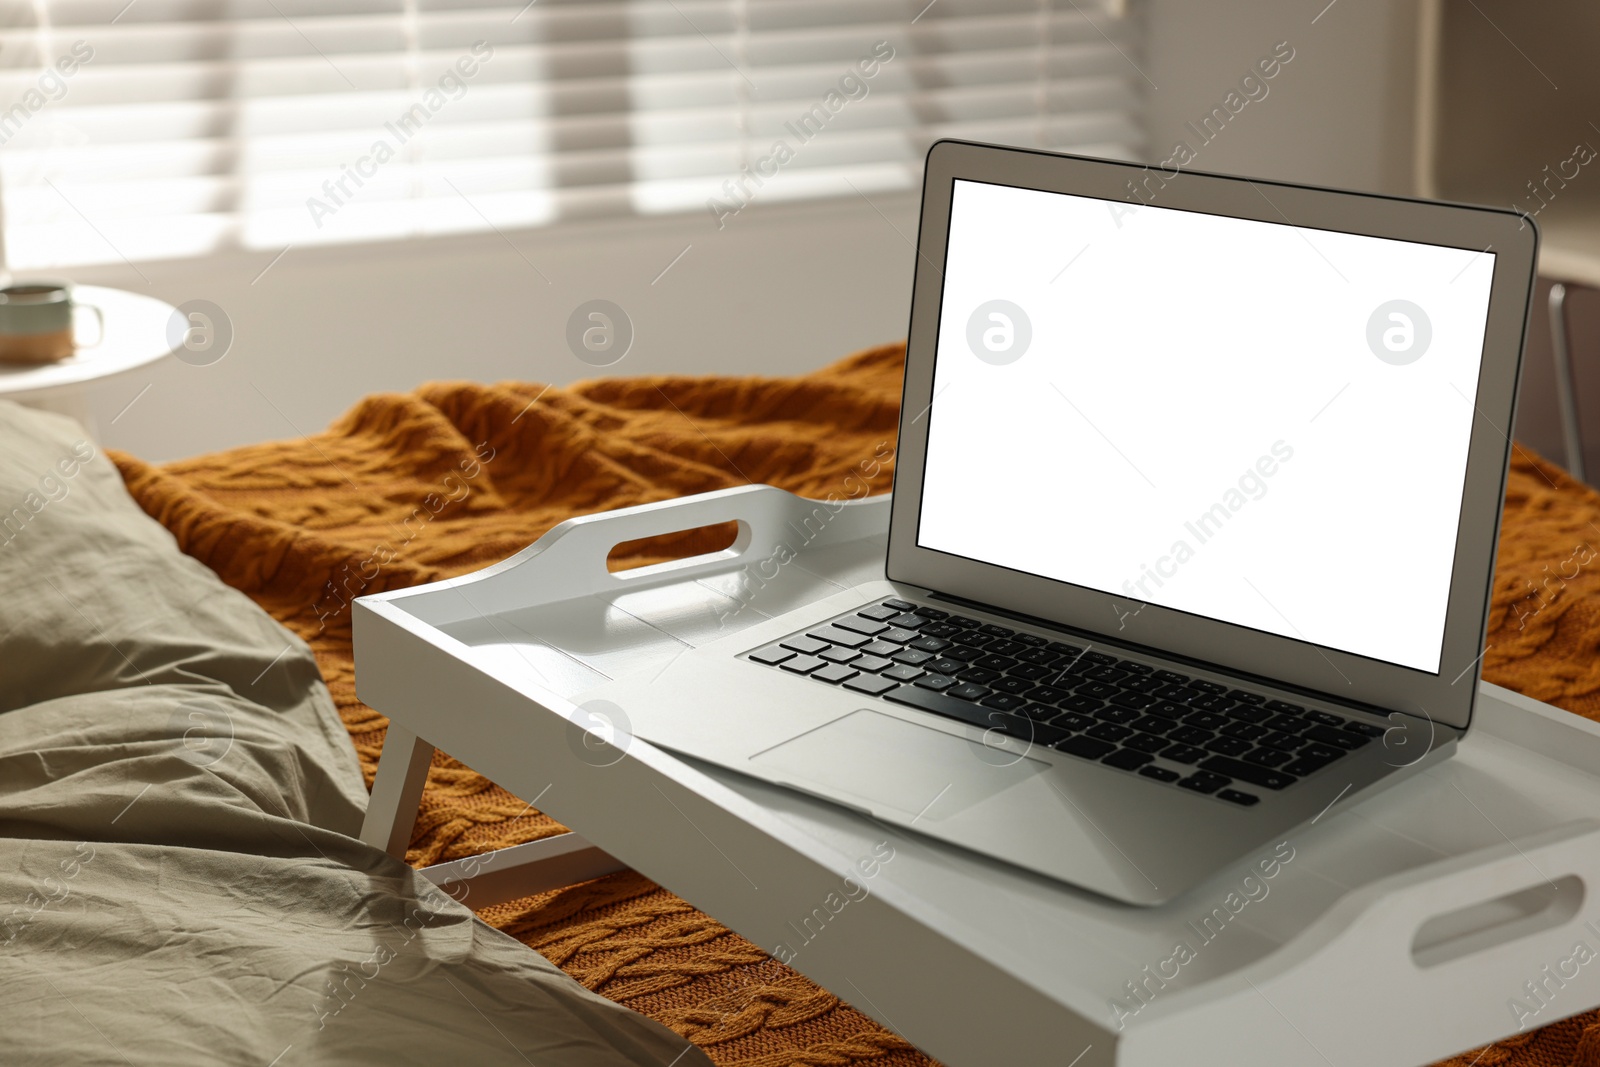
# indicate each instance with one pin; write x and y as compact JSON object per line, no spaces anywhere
{"x":886,"y":762}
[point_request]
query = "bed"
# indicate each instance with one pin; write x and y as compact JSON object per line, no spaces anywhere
{"x":416,"y":487}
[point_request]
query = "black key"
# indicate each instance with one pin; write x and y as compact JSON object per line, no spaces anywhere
{"x":1235,"y":797}
{"x":1287,"y":742}
{"x":1031,"y":640}
{"x":1040,"y":712}
{"x":968,"y":691}
{"x":1012,"y":684}
{"x":1211,"y":703}
{"x":1116,"y":715}
{"x":1169,"y":709}
{"x":1002,"y":701}
{"x":1228,"y":746}
{"x":856,"y":624}
{"x":832,"y":635}
{"x":1283,"y":705}
{"x":871,"y":684}
{"x":772,"y":655}
{"x":912,"y":656}
{"x":1321,"y":752}
{"x":1135,"y":668}
{"x":1042,"y":656}
{"x":978,"y":674}
{"x":1249,"y":713}
{"x":1183,"y":754}
{"x":1096,"y":689}
{"x":1145,"y":743}
{"x":1201,"y":782}
{"x":878,"y":612}
{"x":1171,"y":676}
{"x":995,"y":631}
{"x":1109,"y":731}
{"x":1207,"y":687}
{"x":1327,"y":735}
{"x":1366,"y":729}
{"x":834,"y":673}
{"x":1081,"y":704}
{"x":1099,"y":659}
{"x":963,"y":652}
{"x":1037,"y":733}
{"x":806,"y":646}
{"x":1105,"y":674}
{"x":1137,"y":684}
{"x":992,"y":662}
{"x":900,"y":605}
{"x":1173,"y":691}
{"x":1049,"y":694}
{"x":945,"y":665}
{"x":840,"y":655}
{"x":870,"y":663}
{"x":910,"y":621}
{"x":1005,"y":648}
{"x":1205,"y":720}
{"x":1268,"y":757}
{"x":1160,"y":774}
{"x":1247,"y":772}
{"x":975,"y":638}
{"x":1324,"y":718}
{"x":1191,"y":735}
{"x":930,"y":644}
{"x":1153,"y":724}
{"x":1032,"y":672}
{"x":932,"y":613}
{"x":880,"y":648}
{"x":1071,"y":720}
{"x":904,"y":672}
{"x":1126,"y":759}
{"x":1289,"y":724}
{"x":940,"y":704}
{"x":899,"y":635}
{"x":1076,"y":668}
{"x":1087,"y":747}
{"x":1246,"y":698}
{"x":1302,"y":767}
{"x":931,"y":681}
{"x":1064,"y":650}
{"x":1248,"y":731}
{"x":963,"y":621}
{"x":940,"y":629}
{"x":1134,"y":700}
{"x":802,"y":664}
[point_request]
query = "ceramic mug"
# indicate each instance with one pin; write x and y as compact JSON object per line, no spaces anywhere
{"x":36,"y":322}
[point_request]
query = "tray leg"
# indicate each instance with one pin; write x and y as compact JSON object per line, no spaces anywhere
{"x":522,"y":870}
{"x":396,"y":792}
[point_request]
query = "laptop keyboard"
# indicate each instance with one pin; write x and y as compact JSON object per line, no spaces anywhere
{"x":1172,"y":729}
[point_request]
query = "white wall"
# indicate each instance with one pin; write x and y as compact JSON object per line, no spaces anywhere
{"x":782,"y":289}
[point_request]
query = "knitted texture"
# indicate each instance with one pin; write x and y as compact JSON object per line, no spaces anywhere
{"x":413,"y":488}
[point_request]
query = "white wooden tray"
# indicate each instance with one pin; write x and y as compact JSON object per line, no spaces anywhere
{"x":1452,"y":910}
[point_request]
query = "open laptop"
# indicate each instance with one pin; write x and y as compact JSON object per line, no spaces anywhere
{"x":1195,"y":510}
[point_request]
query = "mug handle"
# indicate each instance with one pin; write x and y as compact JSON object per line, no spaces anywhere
{"x":100,"y":319}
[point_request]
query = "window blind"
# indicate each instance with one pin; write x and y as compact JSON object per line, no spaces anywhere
{"x":158,"y":129}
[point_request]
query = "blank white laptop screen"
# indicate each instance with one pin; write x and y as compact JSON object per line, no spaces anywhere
{"x":1247,"y":421}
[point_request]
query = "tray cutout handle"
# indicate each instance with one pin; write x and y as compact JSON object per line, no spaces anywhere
{"x":741,"y":542}
{"x":1475,"y":927}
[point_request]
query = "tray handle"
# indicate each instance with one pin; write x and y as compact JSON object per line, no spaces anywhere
{"x":570,"y":560}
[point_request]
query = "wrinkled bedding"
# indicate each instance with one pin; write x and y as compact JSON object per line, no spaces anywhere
{"x":179,"y":878}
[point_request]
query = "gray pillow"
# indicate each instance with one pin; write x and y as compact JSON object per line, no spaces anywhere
{"x":180,"y":881}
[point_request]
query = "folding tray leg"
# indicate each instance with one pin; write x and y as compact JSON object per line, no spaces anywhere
{"x":397,"y":791}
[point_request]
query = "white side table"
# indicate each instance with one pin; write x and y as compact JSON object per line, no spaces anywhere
{"x":135,"y":336}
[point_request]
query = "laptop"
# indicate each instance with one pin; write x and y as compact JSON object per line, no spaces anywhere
{"x":1196,"y":501}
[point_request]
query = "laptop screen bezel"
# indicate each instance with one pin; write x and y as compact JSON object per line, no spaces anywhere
{"x":1446,"y":697}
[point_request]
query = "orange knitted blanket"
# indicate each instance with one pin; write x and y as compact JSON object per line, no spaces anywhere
{"x":413,"y":488}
